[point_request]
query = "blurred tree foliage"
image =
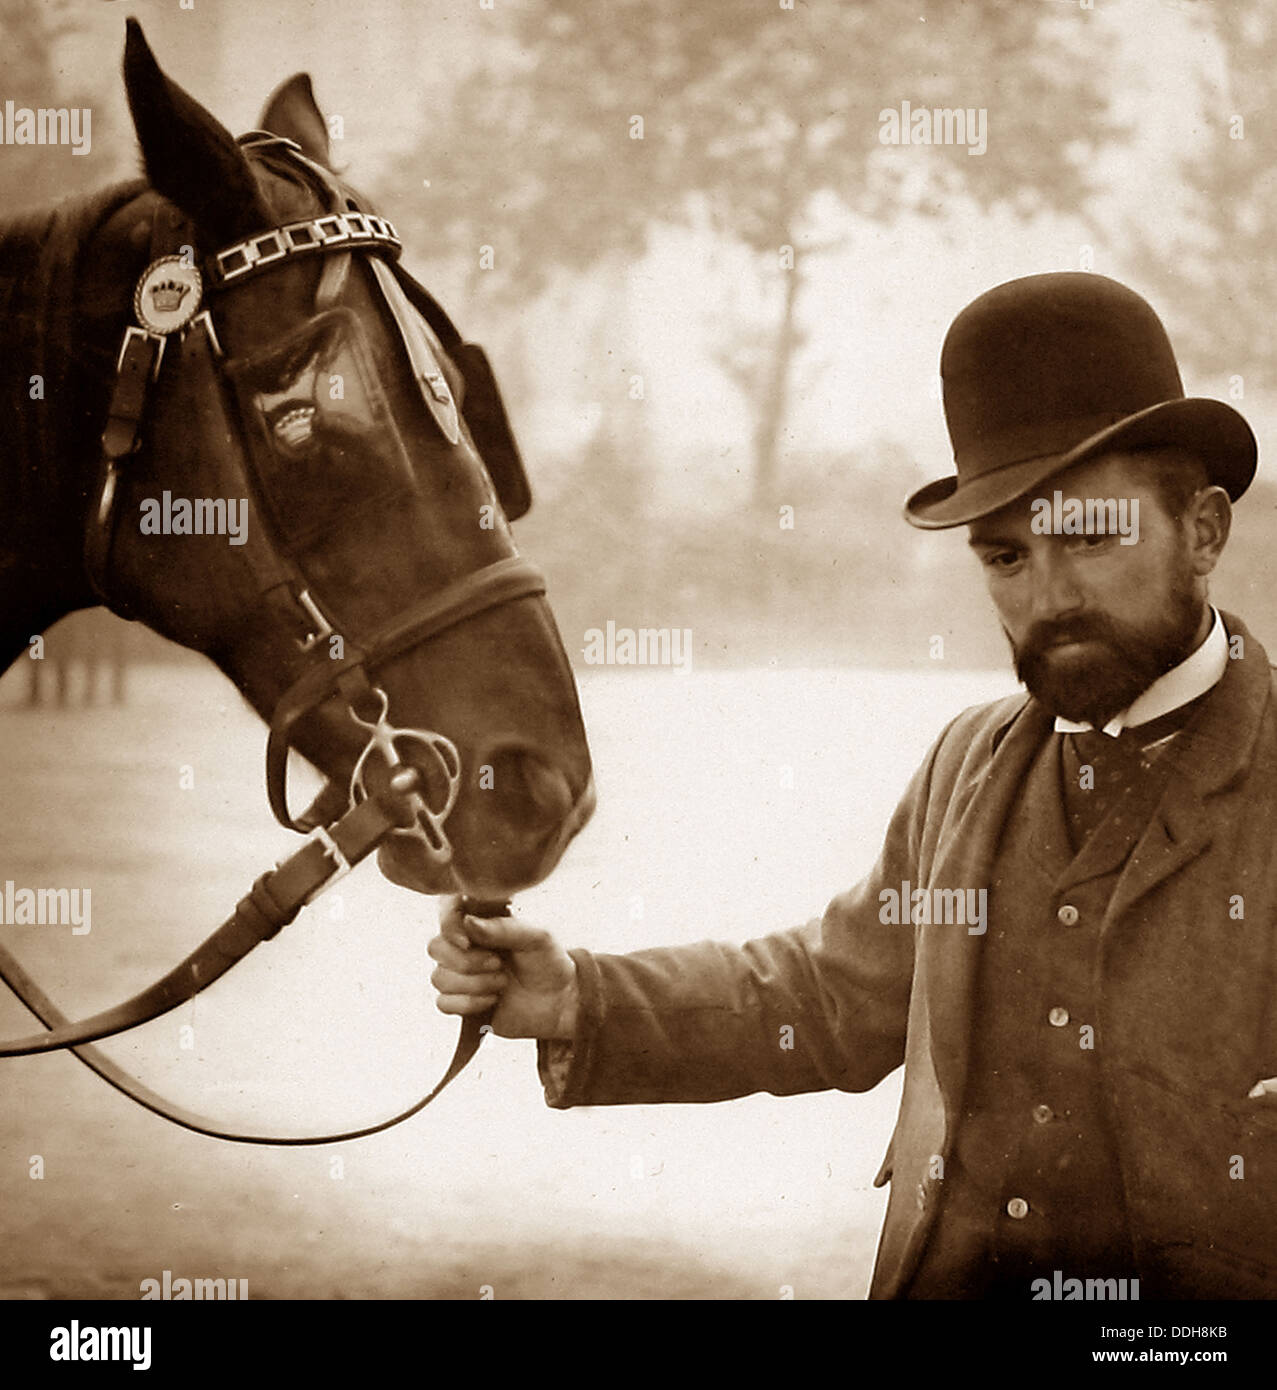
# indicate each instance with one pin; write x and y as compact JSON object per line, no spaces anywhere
{"x":1222,"y":285}
{"x":1217,"y":274}
{"x":31,"y":75}
{"x":593,"y":122}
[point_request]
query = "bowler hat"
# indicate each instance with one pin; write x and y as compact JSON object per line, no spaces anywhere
{"x":1043,"y":373}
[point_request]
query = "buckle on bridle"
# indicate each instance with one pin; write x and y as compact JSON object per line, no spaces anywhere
{"x":321,"y":836}
{"x":320,"y":627}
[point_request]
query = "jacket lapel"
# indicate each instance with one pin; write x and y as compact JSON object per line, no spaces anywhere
{"x":1215,"y":753}
{"x":949,"y":956}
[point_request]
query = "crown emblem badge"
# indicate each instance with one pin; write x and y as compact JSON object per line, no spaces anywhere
{"x":168,"y":295}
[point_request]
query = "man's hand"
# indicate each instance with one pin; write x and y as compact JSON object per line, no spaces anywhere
{"x":522,"y":970}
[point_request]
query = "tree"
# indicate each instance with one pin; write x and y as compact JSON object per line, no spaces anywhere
{"x":1222,"y":284}
{"x":764,"y":117}
{"x":32,"y":175}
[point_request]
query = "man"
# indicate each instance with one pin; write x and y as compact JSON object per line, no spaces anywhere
{"x":1086,"y":1053}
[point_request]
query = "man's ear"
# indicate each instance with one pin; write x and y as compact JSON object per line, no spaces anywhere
{"x":1210,"y":518}
{"x":190,"y":157}
{"x":293,"y":112}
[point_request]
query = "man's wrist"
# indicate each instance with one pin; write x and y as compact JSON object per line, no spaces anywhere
{"x":569,"y":1012}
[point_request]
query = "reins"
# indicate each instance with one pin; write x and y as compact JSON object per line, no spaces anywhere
{"x":274,"y":901}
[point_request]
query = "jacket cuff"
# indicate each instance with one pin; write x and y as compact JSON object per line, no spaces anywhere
{"x":563,"y":1066}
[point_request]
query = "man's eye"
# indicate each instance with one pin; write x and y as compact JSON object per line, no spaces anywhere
{"x":1092,"y":542}
{"x":1001,"y":559}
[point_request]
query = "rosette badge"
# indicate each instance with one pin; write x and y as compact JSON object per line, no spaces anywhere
{"x":168,"y":295}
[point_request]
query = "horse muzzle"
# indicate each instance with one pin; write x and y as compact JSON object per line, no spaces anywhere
{"x":508,"y":830}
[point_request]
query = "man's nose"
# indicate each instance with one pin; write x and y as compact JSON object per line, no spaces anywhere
{"x":1055,"y":589}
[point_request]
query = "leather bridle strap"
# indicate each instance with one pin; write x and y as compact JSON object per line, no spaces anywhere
{"x":471,"y":1036}
{"x":493,"y":585}
{"x":275,"y":900}
{"x":468,"y":1040}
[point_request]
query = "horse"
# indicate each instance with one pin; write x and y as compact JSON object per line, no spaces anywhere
{"x":229,"y":414}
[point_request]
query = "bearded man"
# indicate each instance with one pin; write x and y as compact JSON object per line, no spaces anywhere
{"x":1090,"y":1082}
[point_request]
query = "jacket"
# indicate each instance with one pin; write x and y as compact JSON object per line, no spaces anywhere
{"x":1186,"y":995}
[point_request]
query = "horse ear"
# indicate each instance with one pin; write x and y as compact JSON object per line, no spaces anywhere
{"x":191,"y":158}
{"x":293,"y":112}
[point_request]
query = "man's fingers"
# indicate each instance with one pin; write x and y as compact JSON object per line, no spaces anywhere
{"x":496,"y":933}
{"x":465,"y":962}
{"x":455,"y":982}
{"x":453,"y":931}
{"x":465,"y":1004}
{"x":503,"y":933}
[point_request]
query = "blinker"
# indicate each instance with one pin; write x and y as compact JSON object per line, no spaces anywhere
{"x":319,"y":426}
{"x":481,"y":406}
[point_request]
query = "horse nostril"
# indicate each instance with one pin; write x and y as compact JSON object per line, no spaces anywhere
{"x":530,"y":787}
{"x":547,"y":786}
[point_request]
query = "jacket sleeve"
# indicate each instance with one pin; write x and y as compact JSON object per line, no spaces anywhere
{"x":822,"y":1006}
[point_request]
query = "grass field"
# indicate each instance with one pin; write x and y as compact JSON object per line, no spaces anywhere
{"x":730,"y":804}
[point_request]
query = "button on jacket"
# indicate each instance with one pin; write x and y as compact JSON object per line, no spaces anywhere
{"x":1185,"y":995}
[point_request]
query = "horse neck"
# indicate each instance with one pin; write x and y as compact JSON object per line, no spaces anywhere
{"x":53,"y":374}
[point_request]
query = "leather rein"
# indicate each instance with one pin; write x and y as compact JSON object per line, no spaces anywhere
{"x":398,"y":806}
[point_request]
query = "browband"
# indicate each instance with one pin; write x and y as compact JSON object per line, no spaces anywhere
{"x":345,"y":231}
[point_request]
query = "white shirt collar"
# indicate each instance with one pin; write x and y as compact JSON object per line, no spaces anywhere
{"x":1194,"y":676}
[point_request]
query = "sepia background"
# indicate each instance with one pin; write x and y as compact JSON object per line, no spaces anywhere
{"x":711,"y":293}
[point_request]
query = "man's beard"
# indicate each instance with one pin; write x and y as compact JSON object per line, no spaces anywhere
{"x":1094,"y":684}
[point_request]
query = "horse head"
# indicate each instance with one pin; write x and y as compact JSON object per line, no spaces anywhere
{"x":306,"y":477}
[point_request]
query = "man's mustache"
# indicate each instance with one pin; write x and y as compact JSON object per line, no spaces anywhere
{"x":1091,"y":627}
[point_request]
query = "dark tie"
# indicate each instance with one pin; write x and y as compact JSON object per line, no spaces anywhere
{"x":1099,"y":772}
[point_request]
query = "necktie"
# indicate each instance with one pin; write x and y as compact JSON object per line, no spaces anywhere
{"x":1098,"y":772}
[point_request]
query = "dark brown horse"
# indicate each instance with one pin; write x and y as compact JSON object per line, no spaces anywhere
{"x":323,"y":397}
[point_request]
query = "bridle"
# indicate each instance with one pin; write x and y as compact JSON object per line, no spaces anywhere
{"x":281,"y":586}
{"x":394,"y":803}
